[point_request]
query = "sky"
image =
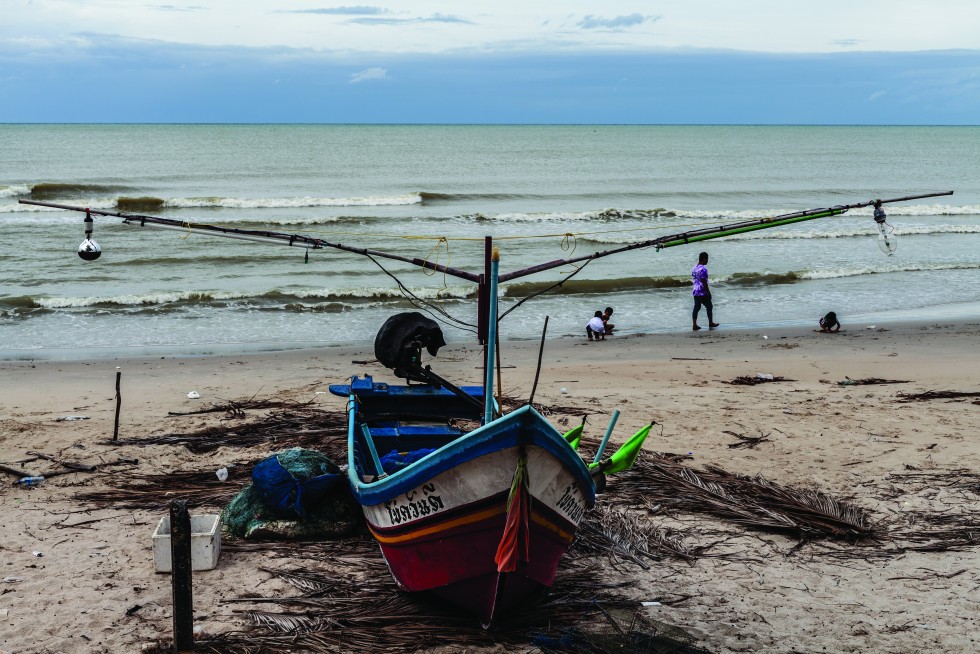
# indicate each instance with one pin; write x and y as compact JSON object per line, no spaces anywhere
{"x":499,"y":61}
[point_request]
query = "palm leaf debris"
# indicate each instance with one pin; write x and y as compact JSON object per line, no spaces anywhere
{"x":749,"y":502}
{"x":749,"y":380}
{"x":331,"y":614}
{"x":867,"y":381}
{"x":748,"y":441}
{"x":937,"y":395}
{"x":298,"y":426}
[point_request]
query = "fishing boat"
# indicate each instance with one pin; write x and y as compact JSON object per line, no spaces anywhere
{"x":482,"y":517}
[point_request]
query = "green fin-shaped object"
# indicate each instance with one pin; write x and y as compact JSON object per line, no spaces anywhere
{"x":574,"y":436}
{"x":626,"y":455}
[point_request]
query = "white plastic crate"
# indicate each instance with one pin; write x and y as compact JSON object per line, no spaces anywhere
{"x":205,"y":543}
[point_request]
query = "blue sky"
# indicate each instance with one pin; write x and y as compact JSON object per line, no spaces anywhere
{"x":694,"y":61}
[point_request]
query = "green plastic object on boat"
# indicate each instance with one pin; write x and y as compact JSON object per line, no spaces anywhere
{"x":626,"y":455}
{"x":574,"y":436}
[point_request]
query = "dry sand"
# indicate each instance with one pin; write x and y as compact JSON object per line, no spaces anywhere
{"x":93,"y":564}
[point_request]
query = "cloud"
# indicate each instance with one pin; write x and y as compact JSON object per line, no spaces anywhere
{"x":368,"y":73}
{"x":434,"y":18}
{"x":877,"y":94}
{"x":340,"y":11}
{"x":619,"y":22}
{"x":175,"y":7}
{"x":846,"y":43}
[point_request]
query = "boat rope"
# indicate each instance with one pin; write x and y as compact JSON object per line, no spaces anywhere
{"x":577,"y":270}
{"x":432,"y":308}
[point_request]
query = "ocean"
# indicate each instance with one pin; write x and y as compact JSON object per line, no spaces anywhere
{"x":434,"y":192}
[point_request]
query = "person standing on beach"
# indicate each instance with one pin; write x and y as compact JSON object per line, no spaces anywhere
{"x":702,"y":294}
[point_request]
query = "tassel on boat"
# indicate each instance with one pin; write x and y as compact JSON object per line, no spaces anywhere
{"x":515,"y":543}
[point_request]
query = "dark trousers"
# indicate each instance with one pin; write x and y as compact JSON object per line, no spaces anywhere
{"x":699,"y":301}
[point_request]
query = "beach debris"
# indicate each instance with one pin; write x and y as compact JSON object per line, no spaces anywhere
{"x":937,"y":395}
{"x":748,"y":441}
{"x":584,"y":612}
{"x":16,"y":472}
{"x":70,"y":418}
{"x":871,"y":326}
{"x":37,"y":553}
{"x":133,"y":609}
{"x":30,"y":482}
{"x":564,"y":391}
{"x":222,"y":474}
{"x":765,"y":338}
{"x":871,"y":380}
{"x":237,"y":407}
{"x":11,"y":580}
{"x":750,"y":502}
{"x":760,"y":378}
{"x":194,"y":395}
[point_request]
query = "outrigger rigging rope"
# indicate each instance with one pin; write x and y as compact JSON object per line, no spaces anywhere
{"x":429,"y":307}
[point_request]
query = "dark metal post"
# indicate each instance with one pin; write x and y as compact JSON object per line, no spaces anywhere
{"x":537,"y":372}
{"x":180,"y":557}
{"x":115,"y":430}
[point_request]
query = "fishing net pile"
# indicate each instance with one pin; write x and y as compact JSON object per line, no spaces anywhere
{"x":296,"y":494}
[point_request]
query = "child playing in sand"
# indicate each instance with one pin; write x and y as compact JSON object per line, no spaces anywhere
{"x":606,"y":315}
{"x":595,"y":329}
{"x":829,"y":323}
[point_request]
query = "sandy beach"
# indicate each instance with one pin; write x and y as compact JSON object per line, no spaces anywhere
{"x":71,"y":572}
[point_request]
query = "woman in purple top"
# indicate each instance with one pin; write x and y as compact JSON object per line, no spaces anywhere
{"x":702,"y":294}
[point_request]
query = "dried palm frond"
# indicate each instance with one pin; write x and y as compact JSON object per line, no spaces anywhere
{"x":157,"y":490}
{"x":749,"y":502}
{"x":748,"y":441}
{"x":238,"y":407}
{"x":747,"y":380}
{"x":299,"y":427}
{"x":871,"y":380}
{"x":618,"y":533}
{"x":284,"y":622}
{"x":936,"y":395}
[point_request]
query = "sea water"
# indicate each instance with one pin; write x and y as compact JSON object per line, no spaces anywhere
{"x":433,"y":192}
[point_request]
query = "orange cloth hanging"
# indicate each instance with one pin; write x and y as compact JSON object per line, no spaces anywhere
{"x":515,"y":542}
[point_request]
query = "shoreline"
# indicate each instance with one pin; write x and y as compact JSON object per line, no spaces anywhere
{"x":953,"y":313}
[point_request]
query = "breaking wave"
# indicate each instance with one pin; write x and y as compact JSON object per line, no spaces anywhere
{"x":269,"y":299}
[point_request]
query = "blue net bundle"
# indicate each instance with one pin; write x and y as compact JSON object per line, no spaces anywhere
{"x":296,"y":494}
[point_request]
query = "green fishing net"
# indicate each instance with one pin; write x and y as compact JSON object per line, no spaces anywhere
{"x":335,"y":515}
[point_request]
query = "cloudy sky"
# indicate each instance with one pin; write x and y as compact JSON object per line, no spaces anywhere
{"x":617,"y":61}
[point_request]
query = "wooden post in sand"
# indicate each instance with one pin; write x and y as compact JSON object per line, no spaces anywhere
{"x":115,"y":430}
{"x":180,"y":557}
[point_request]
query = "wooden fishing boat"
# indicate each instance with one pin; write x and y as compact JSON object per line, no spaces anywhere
{"x":480,"y":518}
{"x":471,"y":504}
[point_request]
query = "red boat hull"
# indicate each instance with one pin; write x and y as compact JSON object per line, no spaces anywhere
{"x":454,"y":556}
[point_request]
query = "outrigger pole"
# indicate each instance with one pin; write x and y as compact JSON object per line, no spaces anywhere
{"x":483,"y":280}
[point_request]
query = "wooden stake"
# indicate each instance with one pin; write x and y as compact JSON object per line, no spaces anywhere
{"x":115,"y":431}
{"x":180,"y":557}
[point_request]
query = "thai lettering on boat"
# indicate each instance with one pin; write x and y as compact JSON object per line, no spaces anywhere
{"x":407,"y":508}
{"x":571,"y":504}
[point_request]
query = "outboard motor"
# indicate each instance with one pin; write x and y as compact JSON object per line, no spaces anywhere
{"x":399,"y":344}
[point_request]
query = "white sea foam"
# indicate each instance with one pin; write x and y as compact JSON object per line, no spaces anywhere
{"x":14,"y":190}
{"x":150,"y":299}
{"x":834,"y":273}
{"x":285,"y":203}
